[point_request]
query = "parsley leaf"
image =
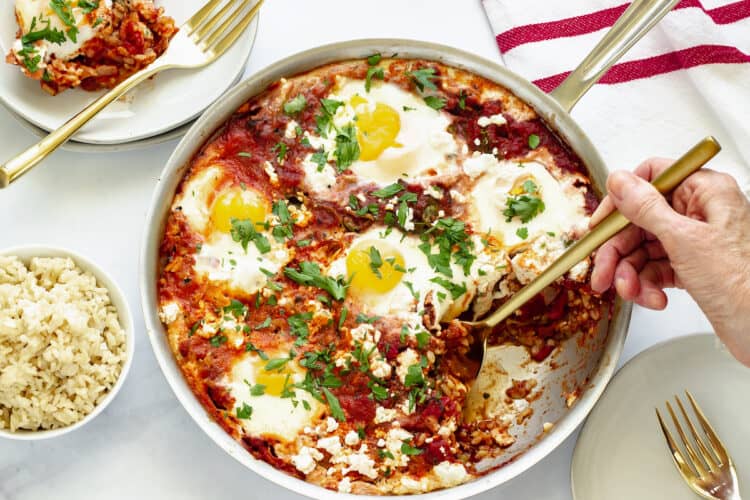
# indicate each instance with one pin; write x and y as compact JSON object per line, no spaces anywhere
{"x":217,"y":340}
{"x":245,"y":411}
{"x":347,"y":148}
{"x":436,"y":103}
{"x":280,"y":149}
{"x":414,"y":376}
{"x":285,"y":228}
{"x":462,"y":100}
{"x":376,"y":261}
{"x":309,"y":274}
{"x":423,"y":78}
{"x":293,"y":106}
{"x":408,"y":449}
{"x":236,"y":309}
{"x":455,"y":289}
{"x":87,"y":7}
{"x":324,"y":120}
{"x":335,"y":406}
{"x":298,"y":326}
{"x":388,"y":191}
{"x":277,"y":364}
{"x":320,"y":158}
{"x":522,"y":232}
{"x":363,"y":318}
{"x":534,"y":141}
{"x":50,"y":34}
{"x":243,"y":232}
{"x":374,"y":59}
{"x":524,"y":207}
{"x":373,"y":72}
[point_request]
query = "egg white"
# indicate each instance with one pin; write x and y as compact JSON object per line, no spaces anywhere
{"x":193,"y":201}
{"x":489,"y":267}
{"x":28,"y":10}
{"x":272,"y":416}
{"x":564,"y":203}
{"x":426,"y":144}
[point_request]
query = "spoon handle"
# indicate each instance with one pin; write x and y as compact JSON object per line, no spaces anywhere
{"x":615,"y":222}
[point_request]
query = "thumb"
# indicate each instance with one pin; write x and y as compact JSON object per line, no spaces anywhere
{"x":642,"y":204}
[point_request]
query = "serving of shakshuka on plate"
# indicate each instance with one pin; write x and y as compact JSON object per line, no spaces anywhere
{"x":322,"y":247}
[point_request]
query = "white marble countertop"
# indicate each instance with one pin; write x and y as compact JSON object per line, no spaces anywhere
{"x":145,"y":445}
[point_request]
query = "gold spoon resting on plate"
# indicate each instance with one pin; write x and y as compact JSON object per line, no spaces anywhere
{"x":198,"y":43}
{"x":615,"y":222}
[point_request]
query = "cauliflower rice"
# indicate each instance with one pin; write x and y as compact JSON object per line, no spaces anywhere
{"x":62,"y":347}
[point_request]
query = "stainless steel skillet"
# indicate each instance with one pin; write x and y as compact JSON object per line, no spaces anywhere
{"x":582,"y":366}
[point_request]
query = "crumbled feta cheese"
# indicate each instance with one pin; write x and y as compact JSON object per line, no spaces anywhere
{"x":406,"y":359}
{"x":486,"y":121}
{"x":383,"y":415}
{"x":435,"y":192}
{"x":291,"y":130}
{"x":458,"y":196}
{"x":580,"y":270}
{"x":169,"y":312}
{"x":331,"y":424}
{"x":330,"y":444}
{"x":360,"y":462}
{"x":409,"y":222}
{"x":379,"y":367}
{"x":381,"y":443}
{"x":412,"y":485}
{"x":305,"y":460}
{"x":351,"y":438}
{"x":345,"y":485}
{"x":450,"y":474}
{"x":271,"y":172}
{"x":477,"y":142}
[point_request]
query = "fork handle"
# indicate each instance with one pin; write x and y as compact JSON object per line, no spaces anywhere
{"x":606,"y":229}
{"x":19,"y":165}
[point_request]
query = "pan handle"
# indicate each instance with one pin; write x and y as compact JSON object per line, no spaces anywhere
{"x":635,"y":22}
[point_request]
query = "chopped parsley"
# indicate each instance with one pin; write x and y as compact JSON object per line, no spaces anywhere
{"x":435,"y":102}
{"x":320,"y":158}
{"x":276,"y":364}
{"x":236,"y":309}
{"x":309,"y":274}
{"x":298,"y":326}
{"x":462,"y":100}
{"x":376,"y":261}
{"x":388,"y":191}
{"x":452,"y":241}
{"x":324,"y":121}
{"x":218,"y":340}
{"x":454,"y":289}
{"x":408,"y":449}
{"x":50,"y":34}
{"x":257,"y":389}
{"x":65,"y":12}
{"x":423,"y":78}
{"x":414,"y":376}
{"x":374,"y":59}
{"x":534,"y":141}
{"x":280,"y":149}
{"x":243,"y":231}
{"x":295,"y":105}
{"x":335,"y":406}
{"x":266,"y":323}
{"x":244,"y":154}
{"x":342,"y":317}
{"x":363,"y":318}
{"x":245,"y":411}
{"x":249,"y":347}
{"x":87,"y":7}
{"x":407,"y":108}
{"x":347,"y":148}
{"x":423,"y":338}
{"x":284,"y":229}
{"x":524,"y":206}
{"x":522,"y":232}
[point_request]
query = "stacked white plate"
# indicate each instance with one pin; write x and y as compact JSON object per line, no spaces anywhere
{"x":158,"y":110}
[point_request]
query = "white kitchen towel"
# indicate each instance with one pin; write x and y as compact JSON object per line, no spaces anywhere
{"x":688,"y":78}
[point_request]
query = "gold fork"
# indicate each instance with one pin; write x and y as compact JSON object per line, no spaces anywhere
{"x":708,"y":471}
{"x":207,"y":35}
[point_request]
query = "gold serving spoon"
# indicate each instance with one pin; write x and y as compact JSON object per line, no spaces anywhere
{"x":205,"y":37}
{"x":615,"y":222}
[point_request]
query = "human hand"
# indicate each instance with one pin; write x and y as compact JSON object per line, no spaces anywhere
{"x":697,"y":239}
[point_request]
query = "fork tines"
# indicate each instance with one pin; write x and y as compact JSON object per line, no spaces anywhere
{"x":218,"y":23}
{"x":705,"y":463}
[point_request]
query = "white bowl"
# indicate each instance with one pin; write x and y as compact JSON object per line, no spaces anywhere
{"x":26,"y":253}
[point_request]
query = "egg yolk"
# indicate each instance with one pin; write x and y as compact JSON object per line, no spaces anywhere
{"x":372,"y":274}
{"x":377,"y":129}
{"x":238,"y":204}
{"x":275,"y":380}
{"x":520,"y":186}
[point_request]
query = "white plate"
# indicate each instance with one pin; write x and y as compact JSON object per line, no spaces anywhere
{"x":621,"y":452}
{"x":83,"y":147}
{"x":156,"y":106}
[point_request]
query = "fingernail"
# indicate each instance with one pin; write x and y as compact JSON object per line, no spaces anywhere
{"x":620,"y":284}
{"x":620,"y":182}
